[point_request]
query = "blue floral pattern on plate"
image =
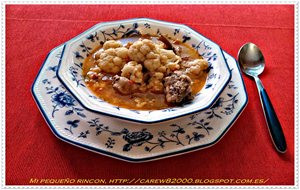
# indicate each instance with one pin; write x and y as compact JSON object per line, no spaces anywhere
{"x":135,"y":142}
{"x":76,"y":50}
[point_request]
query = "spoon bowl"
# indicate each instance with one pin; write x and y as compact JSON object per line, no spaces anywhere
{"x":252,"y":63}
{"x":251,"y":59}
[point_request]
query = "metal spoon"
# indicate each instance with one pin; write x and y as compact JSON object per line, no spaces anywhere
{"x":252,"y":63}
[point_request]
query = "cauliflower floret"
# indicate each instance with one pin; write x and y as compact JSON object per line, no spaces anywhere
{"x":133,"y":71}
{"x":162,"y":69}
{"x":111,"y":44}
{"x":166,"y":55}
{"x":122,"y":52}
{"x":153,"y":56}
{"x":195,"y":67}
{"x":152,"y":62}
{"x":97,"y":54}
{"x":112,"y":60}
{"x":146,"y":52}
{"x":139,"y":50}
{"x":156,"y":82}
{"x":169,"y":59}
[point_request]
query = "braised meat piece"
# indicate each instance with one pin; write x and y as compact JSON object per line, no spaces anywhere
{"x":178,"y":88}
{"x":123,"y":85}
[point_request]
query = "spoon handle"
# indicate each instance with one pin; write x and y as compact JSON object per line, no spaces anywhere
{"x":271,"y":118}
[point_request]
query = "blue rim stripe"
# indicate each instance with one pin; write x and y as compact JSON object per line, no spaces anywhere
{"x":136,"y":120}
{"x":56,"y":133}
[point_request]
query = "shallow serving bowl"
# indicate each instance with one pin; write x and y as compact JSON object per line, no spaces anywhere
{"x":77,"y":49}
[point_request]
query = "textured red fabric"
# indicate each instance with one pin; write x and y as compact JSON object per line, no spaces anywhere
{"x":246,"y":151}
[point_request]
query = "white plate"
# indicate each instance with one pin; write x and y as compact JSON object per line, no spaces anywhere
{"x":72,"y":123}
{"x":77,"y":49}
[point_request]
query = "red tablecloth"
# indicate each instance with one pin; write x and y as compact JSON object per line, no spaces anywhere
{"x":246,"y":151}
